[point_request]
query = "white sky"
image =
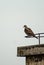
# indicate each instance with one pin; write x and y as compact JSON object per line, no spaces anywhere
{"x":13,"y":15}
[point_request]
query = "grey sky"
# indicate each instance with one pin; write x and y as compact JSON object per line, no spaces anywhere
{"x":13,"y":15}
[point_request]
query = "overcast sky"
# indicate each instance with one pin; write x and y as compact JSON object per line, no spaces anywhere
{"x":13,"y":15}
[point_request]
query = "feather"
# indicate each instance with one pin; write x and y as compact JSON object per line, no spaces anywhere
{"x":28,"y":31}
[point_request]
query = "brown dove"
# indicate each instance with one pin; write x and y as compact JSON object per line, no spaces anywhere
{"x":29,"y":32}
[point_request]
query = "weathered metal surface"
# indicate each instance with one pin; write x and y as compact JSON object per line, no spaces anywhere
{"x":30,"y":50}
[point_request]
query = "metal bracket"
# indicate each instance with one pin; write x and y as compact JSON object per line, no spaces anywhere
{"x":39,"y":35}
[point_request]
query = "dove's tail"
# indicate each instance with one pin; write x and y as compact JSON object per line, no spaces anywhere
{"x":36,"y":37}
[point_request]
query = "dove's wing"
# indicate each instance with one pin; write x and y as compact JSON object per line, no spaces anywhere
{"x":29,"y":30}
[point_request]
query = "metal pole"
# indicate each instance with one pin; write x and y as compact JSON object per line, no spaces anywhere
{"x":39,"y":39}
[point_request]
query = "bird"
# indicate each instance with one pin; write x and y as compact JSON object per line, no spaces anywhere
{"x":28,"y":31}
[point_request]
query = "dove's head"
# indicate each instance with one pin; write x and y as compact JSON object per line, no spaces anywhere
{"x":25,"y":26}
